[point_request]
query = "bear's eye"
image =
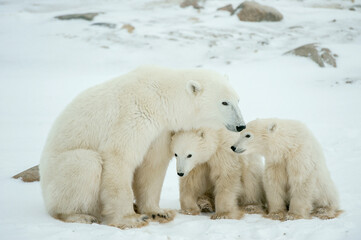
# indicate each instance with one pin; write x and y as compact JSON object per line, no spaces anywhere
{"x":175,"y":155}
{"x":248,"y":136}
{"x":189,"y":156}
{"x":225,"y":103}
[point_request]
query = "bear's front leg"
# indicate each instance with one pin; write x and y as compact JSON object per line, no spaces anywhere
{"x":116,"y":193}
{"x":148,"y":180}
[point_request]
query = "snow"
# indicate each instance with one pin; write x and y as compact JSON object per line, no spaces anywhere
{"x":45,"y":63}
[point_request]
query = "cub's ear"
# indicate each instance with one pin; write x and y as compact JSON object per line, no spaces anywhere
{"x":193,"y":87}
{"x":272,"y":127}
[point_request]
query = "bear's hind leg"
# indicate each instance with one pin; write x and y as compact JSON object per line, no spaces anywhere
{"x":70,"y":183}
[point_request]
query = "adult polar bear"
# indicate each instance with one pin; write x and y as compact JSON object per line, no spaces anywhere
{"x":99,"y":143}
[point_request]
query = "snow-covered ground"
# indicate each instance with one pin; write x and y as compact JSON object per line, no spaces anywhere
{"x":45,"y":62}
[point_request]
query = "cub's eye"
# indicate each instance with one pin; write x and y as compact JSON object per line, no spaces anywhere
{"x":175,"y":155}
{"x":189,"y":156}
{"x":225,"y":103}
{"x":248,"y":136}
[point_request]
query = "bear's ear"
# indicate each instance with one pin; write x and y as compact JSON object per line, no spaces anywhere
{"x":272,"y":127}
{"x":193,"y":87}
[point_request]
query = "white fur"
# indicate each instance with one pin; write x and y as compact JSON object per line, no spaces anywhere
{"x":210,"y":167}
{"x":296,"y":175}
{"x":119,"y":129}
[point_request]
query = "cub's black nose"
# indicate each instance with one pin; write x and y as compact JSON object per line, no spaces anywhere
{"x":180,"y":174}
{"x":233,"y":148}
{"x":240,"y":128}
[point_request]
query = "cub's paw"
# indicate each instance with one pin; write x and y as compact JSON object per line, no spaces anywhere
{"x":190,"y":211}
{"x":294,"y":216}
{"x":281,"y":215}
{"x":228,"y":215}
{"x":205,"y":205}
{"x":254,"y":209}
{"x":130,"y":221}
{"x":326,"y":213}
{"x":163,"y":216}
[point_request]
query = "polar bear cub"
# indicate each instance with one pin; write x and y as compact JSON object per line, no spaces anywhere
{"x":296,"y":177}
{"x":207,"y":165}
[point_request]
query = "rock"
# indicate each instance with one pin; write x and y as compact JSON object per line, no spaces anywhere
{"x":104,"y":24}
{"x":255,"y":12}
{"x":193,"y":3}
{"x":84,"y":16}
{"x":328,"y":5}
{"x":29,"y":175}
{"x":228,"y":8}
{"x":316,"y":54}
{"x":128,"y":27}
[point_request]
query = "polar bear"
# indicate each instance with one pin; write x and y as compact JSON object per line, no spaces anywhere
{"x":296,"y":177}
{"x":208,"y":166}
{"x":119,"y":131}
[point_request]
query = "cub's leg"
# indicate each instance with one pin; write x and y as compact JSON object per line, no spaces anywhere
{"x":227,"y":189}
{"x":191,"y":187}
{"x":275,"y":183}
{"x":252,"y":198}
{"x":149,"y":177}
{"x":326,"y":203}
{"x":301,"y":181}
{"x":70,"y":183}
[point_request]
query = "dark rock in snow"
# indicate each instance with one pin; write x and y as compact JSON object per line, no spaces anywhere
{"x":29,"y":175}
{"x":193,"y":3}
{"x":104,"y":24}
{"x":319,"y":55}
{"x":84,"y":16}
{"x":255,"y":12}
{"x":228,"y":8}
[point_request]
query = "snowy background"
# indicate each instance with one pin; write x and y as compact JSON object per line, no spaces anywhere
{"x":46,"y":62}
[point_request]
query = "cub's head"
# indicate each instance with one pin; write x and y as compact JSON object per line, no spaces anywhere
{"x":216,"y":102}
{"x":190,"y":148}
{"x":254,"y":138}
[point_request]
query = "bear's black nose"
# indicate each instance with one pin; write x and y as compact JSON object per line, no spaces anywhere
{"x":240,"y":128}
{"x":233,"y":148}
{"x":180,"y":174}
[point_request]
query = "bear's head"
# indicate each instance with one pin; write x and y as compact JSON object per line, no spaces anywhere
{"x":191,"y":148}
{"x":255,"y":138}
{"x":215,"y":102}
